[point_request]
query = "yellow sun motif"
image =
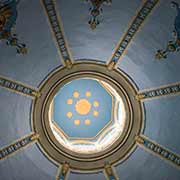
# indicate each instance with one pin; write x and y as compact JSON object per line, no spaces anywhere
{"x":96,"y":104}
{"x":87,"y":122}
{"x":83,"y":106}
{"x":76,"y":122}
{"x":69,"y":114}
{"x":76,"y":94}
{"x":88,"y":94}
{"x":95,"y":113}
{"x":69,"y":101}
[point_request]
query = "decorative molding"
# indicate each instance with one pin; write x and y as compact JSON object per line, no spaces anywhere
{"x":158,"y":150}
{"x":110,"y":172}
{"x":123,"y":146}
{"x":96,"y":10}
{"x":17,"y":146}
{"x":18,"y":87}
{"x":173,"y":45}
{"x":57,"y":30}
{"x":134,"y":27}
{"x":8,"y":17}
{"x":63,"y":172}
{"x":168,"y":90}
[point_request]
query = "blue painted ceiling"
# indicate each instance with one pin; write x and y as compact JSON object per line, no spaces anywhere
{"x":162,"y":115}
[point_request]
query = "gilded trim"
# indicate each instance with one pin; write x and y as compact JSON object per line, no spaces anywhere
{"x":56,"y":26}
{"x":18,"y":87}
{"x":109,"y":172}
{"x":63,"y":172}
{"x":158,"y":150}
{"x":167,"y":90}
{"x":79,"y":162}
{"x":18,"y":145}
{"x":133,"y":29}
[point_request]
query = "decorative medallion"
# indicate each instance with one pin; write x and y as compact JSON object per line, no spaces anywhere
{"x":96,"y":10}
{"x":87,"y":116}
{"x":8,"y":17}
{"x":173,"y":45}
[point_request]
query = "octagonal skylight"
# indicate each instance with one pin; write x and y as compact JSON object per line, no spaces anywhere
{"x":87,"y":115}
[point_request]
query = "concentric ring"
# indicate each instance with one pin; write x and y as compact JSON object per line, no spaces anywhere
{"x":121,"y":148}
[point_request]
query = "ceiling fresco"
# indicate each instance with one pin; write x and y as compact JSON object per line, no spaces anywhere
{"x":39,"y":43}
{"x":159,"y":28}
{"x":89,"y":89}
{"x":174,"y":44}
{"x":8,"y":11}
{"x":82,"y":104}
{"x":85,"y":43}
{"x":96,"y":11}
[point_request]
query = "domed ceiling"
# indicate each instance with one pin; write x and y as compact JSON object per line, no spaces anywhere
{"x":89,"y":89}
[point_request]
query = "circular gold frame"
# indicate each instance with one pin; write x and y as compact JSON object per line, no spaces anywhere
{"x":121,"y":149}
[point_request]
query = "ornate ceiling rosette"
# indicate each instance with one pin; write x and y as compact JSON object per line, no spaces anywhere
{"x":84,"y":145}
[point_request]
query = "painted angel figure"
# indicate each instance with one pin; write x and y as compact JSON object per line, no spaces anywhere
{"x":174,"y":45}
{"x":177,"y":21}
{"x":8,"y":17}
{"x":96,"y":10}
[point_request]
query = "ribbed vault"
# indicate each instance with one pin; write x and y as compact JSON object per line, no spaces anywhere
{"x":59,"y":39}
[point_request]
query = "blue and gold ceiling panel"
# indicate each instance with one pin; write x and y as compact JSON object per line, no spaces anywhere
{"x":84,"y":123}
{"x":86,"y":115}
{"x":42,"y":56}
{"x":113,"y":22}
{"x":140,"y":60}
{"x":82,"y":108}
